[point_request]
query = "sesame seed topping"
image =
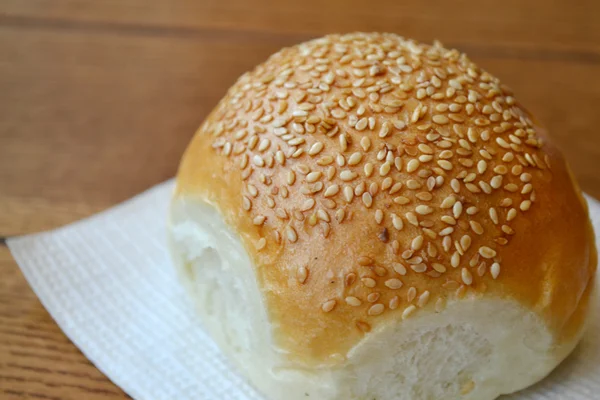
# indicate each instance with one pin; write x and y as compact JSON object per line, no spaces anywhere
{"x":399,"y":268}
{"x":408,"y":311}
{"x":369,"y":282}
{"x":525,"y":205}
{"x":353,"y":301}
{"x":328,"y":306}
{"x":423,"y":210}
{"x":367,"y":199}
{"x":417,"y":243}
{"x":476,"y":227}
{"x":486,"y":252}
{"x":376,"y":309}
{"x":466,"y":276}
{"x":419,"y":125}
{"x":261,"y":244}
{"x":411,"y":294}
{"x":348,"y":175}
{"x":423,"y":299}
{"x":301,"y":274}
{"x":365,"y":260}
{"x":445,"y":164}
{"x":291,"y":234}
{"x":393,"y":283}
{"x":313,"y":176}
{"x":495,"y":270}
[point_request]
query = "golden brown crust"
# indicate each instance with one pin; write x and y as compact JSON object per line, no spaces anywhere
{"x":370,"y":176}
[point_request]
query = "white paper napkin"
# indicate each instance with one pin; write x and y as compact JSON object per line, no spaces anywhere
{"x":108,"y":283}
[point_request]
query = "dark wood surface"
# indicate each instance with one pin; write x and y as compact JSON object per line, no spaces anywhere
{"x":98,"y":99}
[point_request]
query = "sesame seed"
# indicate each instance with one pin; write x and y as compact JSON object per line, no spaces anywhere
{"x":367,"y":199}
{"x":325,"y":160}
{"x":446,"y":231}
{"x":438,"y":267}
{"x":481,"y":166}
{"x":440,"y":119}
{"x":445,"y":164}
{"x":455,"y":185}
{"x":328,"y":306}
{"x":393,"y":283}
{"x":316,"y":148}
{"x":486,"y":252}
{"x":385,"y":169}
{"x":353,"y":301}
{"x":512,"y":213}
{"x":419,"y":268}
{"x":423,"y":299}
{"x":425,"y":196}
{"x":457,"y":209}
{"x":399,"y":268}
{"x":365,"y":260}
{"x":348,"y":175}
{"x":313,"y":176}
{"x":369,"y":282}
{"x":376,"y":309}
{"x":476,"y":227}
{"x":343,"y":142}
{"x":331,"y":191}
{"x":350,"y":279}
{"x":493,"y":215}
{"x":355,"y":158}
{"x":413,"y":184}
{"x":323,"y":216}
{"x":291,"y":234}
{"x":448,"y":202}
{"x":417,"y":243}
{"x":423,"y":210}
{"x":411,"y":294}
{"x":448,"y":220}
{"x":246,"y":203}
{"x":397,"y":222}
{"x":378,"y":216}
{"x":365,"y":143}
{"x":385,"y":130}
{"x":412,"y":218}
{"x":361,"y":124}
{"x":302,"y":274}
{"x":508,"y":230}
{"x":368,"y":169}
{"x":455,"y":259}
{"x":525,"y":205}
{"x":466,"y":276}
{"x":408,"y":311}
{"x":412,"y":165}
{"x":261,"y":244}
{"x":495,"y":270}
{"x":348,"y":193}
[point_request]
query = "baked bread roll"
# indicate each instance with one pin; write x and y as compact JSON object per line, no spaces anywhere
{"x":368,"y":217}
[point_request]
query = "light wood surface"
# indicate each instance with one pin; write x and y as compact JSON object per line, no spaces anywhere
{"x":99,"y":98}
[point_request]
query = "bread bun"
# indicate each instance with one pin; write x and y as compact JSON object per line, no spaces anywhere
{"x":367,"y":217}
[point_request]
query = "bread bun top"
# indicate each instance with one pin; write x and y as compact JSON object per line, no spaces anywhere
{"x":372,"y":178}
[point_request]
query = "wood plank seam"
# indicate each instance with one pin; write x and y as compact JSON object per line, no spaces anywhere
{"x":281,"y":38}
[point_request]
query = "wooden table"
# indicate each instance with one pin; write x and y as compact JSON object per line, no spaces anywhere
{"x":99,"y":98}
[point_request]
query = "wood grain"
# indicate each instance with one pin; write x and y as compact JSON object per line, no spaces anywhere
{"x":99,"y":99}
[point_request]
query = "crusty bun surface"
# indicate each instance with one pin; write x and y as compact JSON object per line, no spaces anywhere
{"x":367,"y":217}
